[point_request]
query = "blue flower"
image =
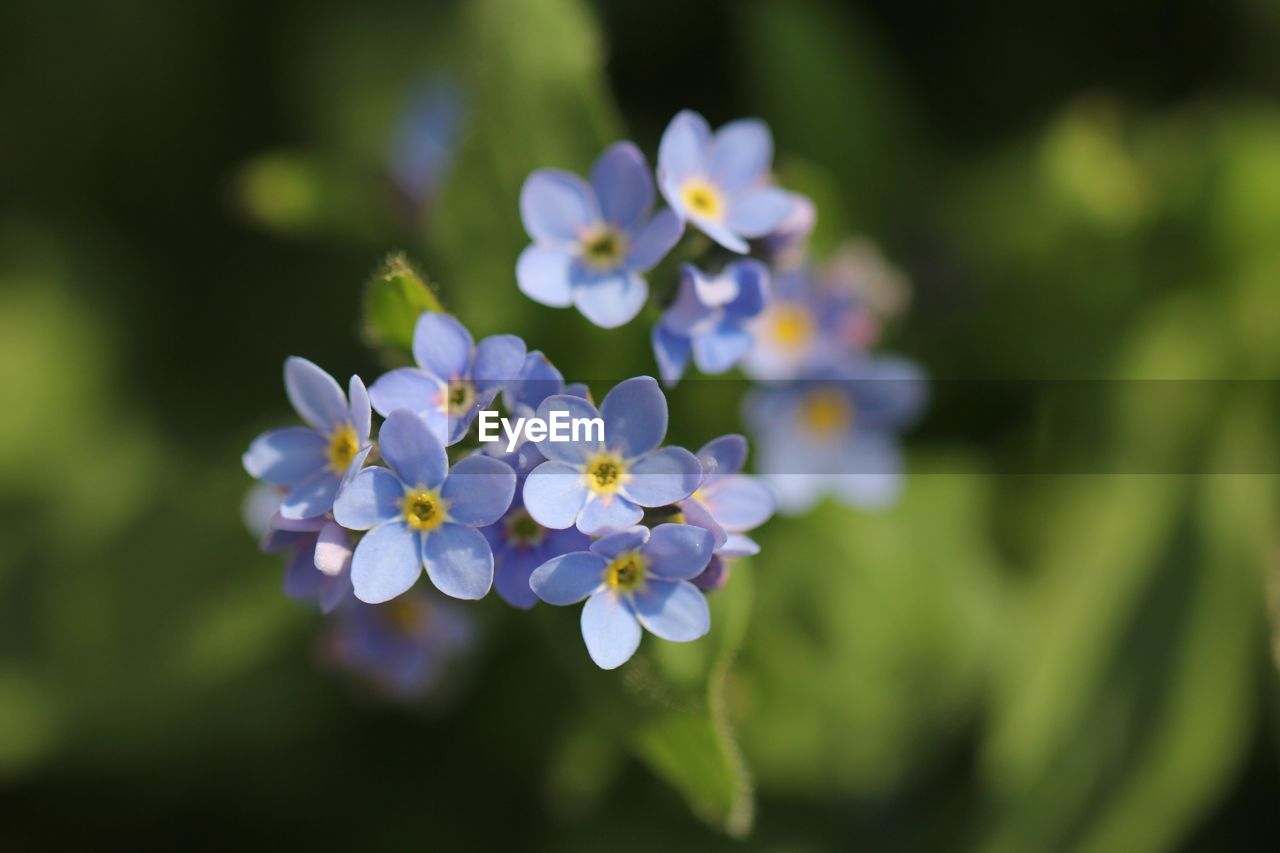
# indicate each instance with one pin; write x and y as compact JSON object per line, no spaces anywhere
{"x":424,"y":139}
{"x":592,"y":242}
{"x":720,"y":182}
{"x":313,"y":462}
{"x":455,"y":378}
{"x":631,"y":579}
{"x":419,"y":513}
{"x":404,"y":647}
{"x":788,"y":244}
{"x":727,"y":502}
{"x":603,"y":485}
{"x":709,"y":319}
{"x":319,"y":561}
{"x":836,"y":434}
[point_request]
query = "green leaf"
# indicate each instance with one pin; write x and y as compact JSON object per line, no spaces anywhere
{"x":394,"y":299}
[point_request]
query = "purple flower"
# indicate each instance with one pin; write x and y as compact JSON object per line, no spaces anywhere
{"x":720,"y":182}
{"x":603,"y":485}
{"x":419,"y":513}
{"x":592,"y":242}
{"x":313,"y":462}
{"x":455,"y":377}
{"x":319,"y":559}
{"x":709,"y":319}
{"x":727,"y":502}
{"x":837,"y":434}
{"x":631,"y":579}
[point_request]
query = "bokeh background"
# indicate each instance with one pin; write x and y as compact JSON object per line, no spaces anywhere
{"x":1009,"y":659}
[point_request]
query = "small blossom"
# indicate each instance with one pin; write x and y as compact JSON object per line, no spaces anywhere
{"x":455,"y":377}
{"x":631,"y":579}
{"x":719,"y":182}
{"x":788,"y":244}
{"x":421,"y":514}
{"x":313,"y":463}
{"x":603,"y":485}
{"x":727,"y":502}
{"x":709,"y":319}
{"x":319,"y":561}
{"x":593,"y":242}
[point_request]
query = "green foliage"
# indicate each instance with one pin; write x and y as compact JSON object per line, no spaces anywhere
{"x":393,"y":300}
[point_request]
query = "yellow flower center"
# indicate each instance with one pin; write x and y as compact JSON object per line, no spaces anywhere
{"x":425,"y":510}
{"x":343,"y":447}
{"x":828,"y":411}
{"x":792,"y":325}
{"x":626,"y":572}
{"x":458,"y":397}
{"x":522,"y":530}
{"x":702,"y":199}
{"x":604,"y":249}
{"x":605,"y":473}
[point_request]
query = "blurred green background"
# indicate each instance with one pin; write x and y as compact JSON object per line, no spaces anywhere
{"x":190,"y":192}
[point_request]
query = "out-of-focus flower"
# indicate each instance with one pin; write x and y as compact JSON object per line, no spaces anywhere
{"x":419,"y":513}
{"x":405,"y":646}
{"x":592,"y":242}
{"x":313,"y":462}
{"x":859,"y":273}
{"x":719,"y":182}
{"x":709,"y":319}
{"x":787,"y":245}
{"x":837,"y":434}
{"x":631,"y":579}
{"x":603,"y":485}
{"x":319,"y":561}
{"x":422,"y":144}
{"x":455,"y":377}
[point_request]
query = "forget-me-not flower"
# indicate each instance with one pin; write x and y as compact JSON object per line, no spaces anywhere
{"x":604,"y":485}
{"x":420,"y":513}
{"x":630,"y":579}
{"x":709,"y":319}
{"x":593,"y":242}
{"x":319,"y":559}
{"x":455,"y":377}
{"x":312,"y":463}
{"x":728,"y":502}
{"x":720,"y":181}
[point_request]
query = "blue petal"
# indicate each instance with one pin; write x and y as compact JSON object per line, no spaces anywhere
{"x":673,"y":611}
{"x":610,"y":630}
{"x":739,"y":502}
{"x":302,"y":581}
{"x":286,"y":457}
{"x":543,"y":275}
{"x":511,"y":572}
{"x":889,"y":392}
{"x":689,"y":309}
{"x":720,"y":349}
{"x":612,"y":301}
{"x":442,"y":346}
{"x":683,"y":149}
{"x":479,"y":490}
{"x":538,"y":380}
{"x":459,"y":561}
{"x":412,"y":450}
{"x":554,"y":494}
{"x":600,"y":515}
{"x":614,"y":544}
{"x":698,"y":515}
{"x":314,"y":394}
{"x":741,"y":154}
{"x":678,"y":551}
{"x":620,"y":178}
{"x":333,"y":550}
{"x":721,"y":233}
{"x":724,"y":455}
{"x":499,"y":360}
{"x":556,"y":206}
{"x":671,"y":351}
{"x":652,"y":242}
{"x":387,"y":562}
{"x":374,"y":496}
{"x":738,"y":545}
{"x":756,"y":212}
{"x":635,"y":417}
{"x":572,"y":452}
{"x":405,"y":388}
{"x":361,"y":416}
{"x":334,"y":591}
{"x":569,"y":578}
{"x":663,"y":477}
{"x":752,"y":277}
{"x":312,"y":497}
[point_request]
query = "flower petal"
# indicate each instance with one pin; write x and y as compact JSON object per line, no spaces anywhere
{"x":569,"y":578}
{"x":479,"y":490}
{"x":671,"y":351}
{"x":601,"y":516}
{"x":554,"y":494}
{"x":614,"y":544}
{"x":758,"y":211}
{"x":499,"y":360}
{"x":738,"y":545}
{"x":678,"y":551}
{"x":721,"y":348}
{"x":620,"y":178}
{"x":684,"y":148}
{"x":556,"y":206}
{"x":543,"y":273}
{"x":311,"y":497}
{"x":673,"y":611}
{"x":715,"y":576}
{"x":741,"y":154}
{"x":286,"y":457}
{"x":663,"y":477}
{"x":387,"y":562}
{"x":511,"y":572}
{"x":696,"y":513}
{"x":721,"y":233}
{"x":611,"y":301}
{"x":652,"y":242}
{"x":333,"y":550}
{"x":752,"y":278}
{"x":314,"y":394}
{"x":302,"y":581}
{"x":404,"y":388}
{"x":610,"y":630}
{"x":412,"y":450}
{"x":635,"y":417}
{"x":740,"y":503}
{"x":442,"y":346}
{"x":374,"y":496}
{"x":538,"y":380}
{"x":572,"y":452}
{"x":724,"y":455}
{"x":361,"y":416}
{"x":459,"y":561}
